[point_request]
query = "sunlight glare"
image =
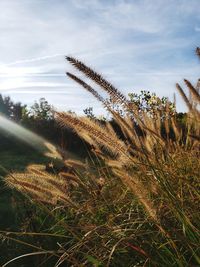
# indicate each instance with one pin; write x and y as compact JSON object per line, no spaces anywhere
{"x":30,"y":138}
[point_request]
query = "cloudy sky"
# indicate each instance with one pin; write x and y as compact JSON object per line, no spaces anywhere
{"x":138,"y":44}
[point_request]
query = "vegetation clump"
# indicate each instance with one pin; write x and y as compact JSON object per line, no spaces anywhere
{"x":136,"y":201}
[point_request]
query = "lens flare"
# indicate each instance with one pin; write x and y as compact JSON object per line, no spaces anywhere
{"x":30,"y":138}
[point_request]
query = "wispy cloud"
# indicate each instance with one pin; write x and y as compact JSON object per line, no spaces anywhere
{"x":136,"y":44}
{"x":31,"y":60}
{"x":197,"y":28}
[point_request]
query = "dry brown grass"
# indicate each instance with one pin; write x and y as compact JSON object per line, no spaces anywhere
{"x":159,"y":167}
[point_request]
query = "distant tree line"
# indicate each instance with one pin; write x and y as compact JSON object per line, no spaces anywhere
{"x":40,"y":118}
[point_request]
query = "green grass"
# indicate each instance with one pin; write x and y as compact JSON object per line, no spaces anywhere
{"x":14,"y":207}
{"x":17,"y":213}
{"x":14,"y":160}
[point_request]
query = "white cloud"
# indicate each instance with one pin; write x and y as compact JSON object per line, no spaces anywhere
{"x":136,"y":44}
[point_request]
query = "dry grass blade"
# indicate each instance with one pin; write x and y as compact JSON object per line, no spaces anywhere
{"x":195,"y":137}
{"x":94,"y":133}
{"x":115,"y":94}
{"x":27,"y":255}
{"x":124,"y":126}
{"x":121,"y":121}
{"x":198,"y":52}
{"x":194,"y":92}
{"x":187,"y":102}
{"x":91,"y":90}
{"x":74,"y":163}
{"x":43,"y":187}
{"x":86,"y":86}
{"x":140,"y":191}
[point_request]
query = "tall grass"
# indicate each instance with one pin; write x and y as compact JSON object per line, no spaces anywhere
{"x":136,"y":201}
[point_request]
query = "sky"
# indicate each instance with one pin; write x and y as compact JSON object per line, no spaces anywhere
{"x":136,"y":45}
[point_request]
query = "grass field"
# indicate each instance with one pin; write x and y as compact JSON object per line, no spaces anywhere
{"x":14,"y":208}
{"x":14,"y":160}
{"x":135,"y":202}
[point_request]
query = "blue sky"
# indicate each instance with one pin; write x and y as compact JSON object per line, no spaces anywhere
{"x":137,"y":45}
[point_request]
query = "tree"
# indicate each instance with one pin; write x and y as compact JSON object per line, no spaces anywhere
{"x":8,"y":108}
{"x":42,"y":110}
{"x":151,"y":104}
